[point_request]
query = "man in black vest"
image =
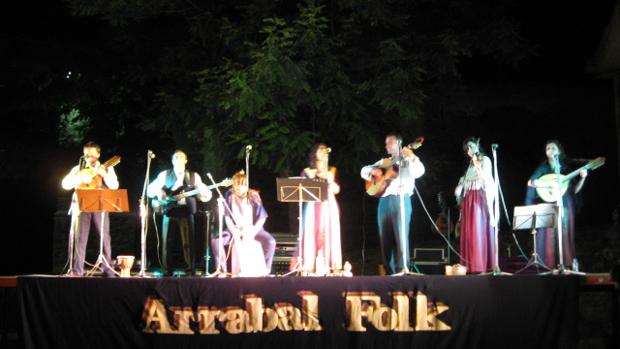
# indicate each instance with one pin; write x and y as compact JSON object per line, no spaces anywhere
{"x":164,"y":191}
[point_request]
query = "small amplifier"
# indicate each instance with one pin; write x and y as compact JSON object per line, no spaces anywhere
{"x":285,"y":253}
{"x":429,"y":256}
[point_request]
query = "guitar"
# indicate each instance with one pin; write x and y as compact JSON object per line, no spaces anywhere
{"x":385,"y":173}
{"x":173,"y":197}
{"x":96,"y":179}
{"x":549,"y":189}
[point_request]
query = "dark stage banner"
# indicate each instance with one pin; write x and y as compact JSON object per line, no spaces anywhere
{"x":528,"y":311}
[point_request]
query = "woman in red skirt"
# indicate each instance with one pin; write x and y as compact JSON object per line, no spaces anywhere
{"x":475,"y":193}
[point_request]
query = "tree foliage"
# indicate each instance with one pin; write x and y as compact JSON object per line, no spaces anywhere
{"x":281,"y":76}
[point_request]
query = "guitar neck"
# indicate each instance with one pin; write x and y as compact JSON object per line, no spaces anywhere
{"x":574,"y":174}
{"x":196,"y":191}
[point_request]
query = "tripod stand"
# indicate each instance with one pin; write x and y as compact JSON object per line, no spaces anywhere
{"x":495,"y":223}
{"x":299,"y":190}
{"x":144,"y":213}
{"x":404,"y":245}
{"x":103,"y":201}
{"x":559,"y":193}
{"x":534,"y":217}
{"x":221,"y":205}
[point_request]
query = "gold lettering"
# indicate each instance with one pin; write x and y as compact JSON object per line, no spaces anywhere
{"x":270,"y":320}
{"x":384,"y":318}
{"x":206,"y":320}
{"x":310,"y":311}
{"x":360,"y":305}
{"x":154,"y":316}
{"x":437,"y":324}
{"x":182,"y":317}
{"x":427,"y":320}
{"x":289,"y":317}
{"x":254,"y":308}
{"x":400,"y":303}
{"x":233,"y":319}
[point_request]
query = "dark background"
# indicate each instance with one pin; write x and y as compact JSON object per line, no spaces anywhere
{"x":548,"y":95}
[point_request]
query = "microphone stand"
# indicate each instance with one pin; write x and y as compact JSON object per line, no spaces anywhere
{"x":144,"y":213}
{"x":496,"y":269}
{"x":248,"y":148}
{"x":221,"y":206}
{"x":74,"y":211}
{"x":401,"y":197}
{"x":560,"y":228}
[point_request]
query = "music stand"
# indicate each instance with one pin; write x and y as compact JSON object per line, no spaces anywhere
{"x":534,"y":217}
{"x":300,"y":189}
{"x":102,"y":200}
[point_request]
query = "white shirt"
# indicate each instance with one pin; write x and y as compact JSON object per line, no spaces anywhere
{"x":406,"y":176}
{"x":73,"y":179}
{"x":158,"y":184}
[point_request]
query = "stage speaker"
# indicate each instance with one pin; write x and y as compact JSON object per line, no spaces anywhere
{"x":429,"y":260}
{"x":286,"y":247}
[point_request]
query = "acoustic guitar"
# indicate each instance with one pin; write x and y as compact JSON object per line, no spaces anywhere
{"x":173,"y":197}
{"x":96,"y":181}
{"x":379,"y":180}
{"x":548,"y":184}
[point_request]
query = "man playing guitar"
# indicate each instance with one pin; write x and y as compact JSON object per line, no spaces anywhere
{"x":171,"y":181}
{"x":401,"y":180}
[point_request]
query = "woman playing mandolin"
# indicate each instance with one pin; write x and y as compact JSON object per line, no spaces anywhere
{"x":556,"y":162}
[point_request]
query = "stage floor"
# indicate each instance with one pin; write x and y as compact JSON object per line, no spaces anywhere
{"x":428,"y":311}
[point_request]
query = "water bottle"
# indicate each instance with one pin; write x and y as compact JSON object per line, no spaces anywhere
{"x":575,"y":264}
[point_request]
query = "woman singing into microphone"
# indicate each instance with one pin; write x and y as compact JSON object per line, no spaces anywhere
{"x":475,"y":193}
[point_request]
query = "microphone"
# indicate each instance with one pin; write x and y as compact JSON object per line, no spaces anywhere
{"x":150,"y":154}
{"x":494,"y":146}
{"x":248,"y":147}
{"x":329,"y":150}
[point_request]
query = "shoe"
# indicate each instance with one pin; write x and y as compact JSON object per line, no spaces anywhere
{"x":108,"y":273}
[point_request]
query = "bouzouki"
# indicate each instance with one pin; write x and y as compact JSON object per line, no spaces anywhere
{"x":380,"y":180}
{"x":96,"y":179}
{"x":548,"y":184}
{"x":174,"y":196}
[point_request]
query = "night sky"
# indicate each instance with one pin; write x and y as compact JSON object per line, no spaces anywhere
{"x":549,"y":95}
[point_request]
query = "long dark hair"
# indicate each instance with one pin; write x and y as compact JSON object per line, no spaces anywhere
{"x":562,"y":155}
{"x":312,"y":155}
{"x":475,"y":140}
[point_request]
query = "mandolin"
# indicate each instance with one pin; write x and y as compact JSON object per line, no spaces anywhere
{"x":380,"y":180}
{"x":96,"y":181}
{"x":548,"y":184}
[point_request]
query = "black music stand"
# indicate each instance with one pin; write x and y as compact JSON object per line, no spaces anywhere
{"x":534,"y":217}
{"x":102,"y":200}
{"x":300,"y":189}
